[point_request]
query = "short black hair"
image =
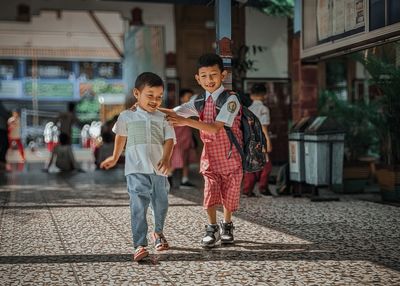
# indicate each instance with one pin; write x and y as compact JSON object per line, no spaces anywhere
{"x":183,"y":91}
{"x":258,"y":88}
{"x":148,"y":78}
{"x":209,"y":60}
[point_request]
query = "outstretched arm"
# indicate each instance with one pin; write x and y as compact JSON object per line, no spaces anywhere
{"x":118,"y":148}
{"x":180,"y":120}
{"x":211,"y":128}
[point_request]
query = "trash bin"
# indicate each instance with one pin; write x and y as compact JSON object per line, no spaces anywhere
{"x":323,"y":152}
{"x":296,"y":149}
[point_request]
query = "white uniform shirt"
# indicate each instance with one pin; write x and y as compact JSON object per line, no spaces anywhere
{"x":146,"y":132}
{"x":261,"y":111}
{"x":15,"y":130}
{"x":226,"y":114}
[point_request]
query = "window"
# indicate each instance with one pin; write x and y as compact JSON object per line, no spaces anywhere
{"x":108,"y":70}
{"x":50,"y":69}
{"x":383,"y":13}
{"x":8,"y":69}
{"x":393,"y":11}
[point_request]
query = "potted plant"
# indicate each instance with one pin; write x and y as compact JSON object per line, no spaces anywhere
{"x":360,"y":137}
{"x":386,"y":77}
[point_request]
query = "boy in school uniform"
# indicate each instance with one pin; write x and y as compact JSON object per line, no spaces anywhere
{"x":149,"y":142}
{"x":257,"y":94}
{"x":220,"y":164}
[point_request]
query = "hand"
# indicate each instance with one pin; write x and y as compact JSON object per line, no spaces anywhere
{"x":172,"y":117}
{"x":108,"y":163}
{"x":176,"y":120}
{"x":163,"y":166}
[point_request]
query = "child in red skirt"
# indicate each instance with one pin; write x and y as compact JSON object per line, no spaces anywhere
{"x":14,"y":133}
{"x":220,"y":165}
{"x":184,"y":151}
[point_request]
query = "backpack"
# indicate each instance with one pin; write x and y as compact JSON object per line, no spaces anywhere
{"x":253,"y":153}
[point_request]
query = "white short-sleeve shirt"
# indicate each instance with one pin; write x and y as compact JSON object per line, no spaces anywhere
{"x":146,"y":132}
{"x":261,"y":111}
{"x":226,"y":114}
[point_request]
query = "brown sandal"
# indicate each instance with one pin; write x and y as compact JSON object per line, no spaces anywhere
{"x":160,"y":243}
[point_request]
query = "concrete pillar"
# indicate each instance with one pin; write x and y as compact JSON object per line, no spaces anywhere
{"x":76,"y":69}
{"x":143,"y":51}
{"x":21,"y":72}
{"x":76,"y":72}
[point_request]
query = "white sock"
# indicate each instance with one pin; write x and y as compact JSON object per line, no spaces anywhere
{"x":185,"y":179}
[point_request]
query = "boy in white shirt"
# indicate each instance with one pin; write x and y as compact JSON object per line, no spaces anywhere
{"x":149,"y":142}
{"x":257,"y":94}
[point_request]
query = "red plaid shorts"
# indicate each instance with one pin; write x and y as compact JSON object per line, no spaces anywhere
{"x":222,"y":189}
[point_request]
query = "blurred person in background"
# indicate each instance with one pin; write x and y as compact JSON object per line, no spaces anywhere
{"x":67,"y":119}
{"x":105,"y":149}
{"x":184,"y":151}
{"x":63,"y":155}
{"x":257,"y":95}
{"x":14,"y":133}
{"x":50,"y":134}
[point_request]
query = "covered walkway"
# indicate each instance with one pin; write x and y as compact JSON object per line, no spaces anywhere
{"x":75,"y":230}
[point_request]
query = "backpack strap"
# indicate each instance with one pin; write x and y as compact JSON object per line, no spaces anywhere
{"x":199,"y":103}
{"x":222,"y":98}
{"x":200,"y":100}
{"x":234,"y":141}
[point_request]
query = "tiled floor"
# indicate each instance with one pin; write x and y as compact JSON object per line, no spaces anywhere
{"x":75,"y":230}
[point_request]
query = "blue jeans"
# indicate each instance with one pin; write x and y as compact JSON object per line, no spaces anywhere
{"x":145,"y":189}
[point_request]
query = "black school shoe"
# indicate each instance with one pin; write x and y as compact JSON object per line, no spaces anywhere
{"x":211,"y":237}
{"x":227,"y":233}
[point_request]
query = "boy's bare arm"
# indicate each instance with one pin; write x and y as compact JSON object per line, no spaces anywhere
{"x":180,"y":120}
{"x":164,"y":164}
{"x":119,"y":145}
{"x":211,"y":128}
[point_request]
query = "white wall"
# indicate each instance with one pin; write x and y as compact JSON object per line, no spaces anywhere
{"x":271,"y":32}
{"x":75,"y":28}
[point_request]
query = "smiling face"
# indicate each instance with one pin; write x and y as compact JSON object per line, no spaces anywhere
{"x":149,"y":98}
{"x":210,"y":78}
